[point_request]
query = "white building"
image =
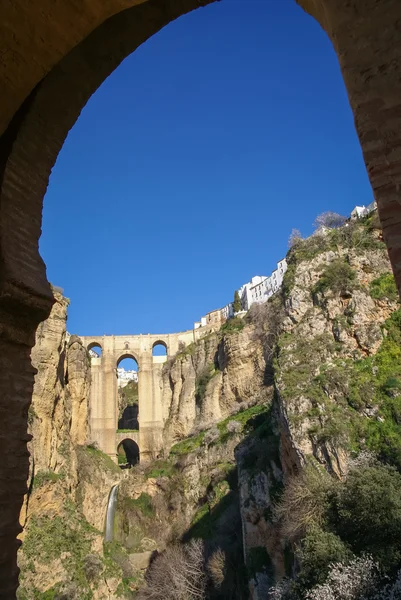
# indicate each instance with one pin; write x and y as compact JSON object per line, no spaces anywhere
{"x":227,"y":311}
{"x":201,"y":323}
{"x":124,"y":377}
{"x":358,"y":212}
{"x":260,"y":288}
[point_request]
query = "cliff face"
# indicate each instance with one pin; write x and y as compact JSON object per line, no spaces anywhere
{"x":64,"y":511}
{"x":335,"y":368}
{"x":212,"y":379}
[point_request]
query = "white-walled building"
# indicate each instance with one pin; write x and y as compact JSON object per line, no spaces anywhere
{"x":358,"y":212}
{"x":227,"y":311}
{"x":124,"y":377}
{"x":261,"y":288}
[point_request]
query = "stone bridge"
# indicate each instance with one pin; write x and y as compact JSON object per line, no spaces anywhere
{"x":104,"y":392}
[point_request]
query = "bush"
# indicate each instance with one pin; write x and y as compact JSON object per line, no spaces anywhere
{"x":304,"y":502}
{"x":384,"y":287}
{"x":234,"y":427}
{"x":232,"y":325}
{"x":338,"y":277}
{"x":211,"y":436}
{"x":318,"y":551}
{"x":367,"y":513}
{"x":177,"y":574}
{"x":357,"y":580}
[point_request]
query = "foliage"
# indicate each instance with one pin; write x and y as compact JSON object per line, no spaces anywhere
{"x":143,"y":503}
{"x":318,"y":550}
{"x":367,"y":513}
{"x":232,"y":326}
{"x":329,"y":219}
{"x":237,"y":302}
{"x":384,"y":287}
{"x":338,"y":277}
{"x":295,"y":238}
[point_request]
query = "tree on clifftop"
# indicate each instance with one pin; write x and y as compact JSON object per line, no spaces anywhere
{"x":237,"y":302}
{"x":329,"y":219}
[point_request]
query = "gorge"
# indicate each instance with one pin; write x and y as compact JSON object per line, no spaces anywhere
{"x":269,"y":427}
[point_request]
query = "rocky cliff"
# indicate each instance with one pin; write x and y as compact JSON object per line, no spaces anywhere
{"x":64,"y":511}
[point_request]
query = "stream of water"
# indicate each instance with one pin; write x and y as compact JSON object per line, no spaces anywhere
{"x":110,"y":515}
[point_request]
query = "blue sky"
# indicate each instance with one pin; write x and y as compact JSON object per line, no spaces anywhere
{"x":188,"y":168}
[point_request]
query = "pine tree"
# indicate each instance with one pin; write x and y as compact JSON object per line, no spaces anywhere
{"x":237,"y":302}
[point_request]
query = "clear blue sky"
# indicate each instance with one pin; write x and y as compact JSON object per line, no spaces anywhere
{"x":188,"y":168}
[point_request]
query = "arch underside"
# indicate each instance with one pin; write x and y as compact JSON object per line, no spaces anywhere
{"x":46,"y":80}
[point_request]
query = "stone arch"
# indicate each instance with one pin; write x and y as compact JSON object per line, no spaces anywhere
{"x":130,"y":449}
{"x":158,"y":344}
{"x":127,"y":354}
{"x":95,"y":346}
{"x":46,"y":88}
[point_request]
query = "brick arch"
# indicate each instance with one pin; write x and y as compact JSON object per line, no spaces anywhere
{"x":51,"y":77}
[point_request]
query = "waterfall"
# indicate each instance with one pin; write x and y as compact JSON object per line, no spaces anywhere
{"x":110,"y":514}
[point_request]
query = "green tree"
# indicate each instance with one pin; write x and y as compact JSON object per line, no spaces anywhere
{"x":237,"y":302}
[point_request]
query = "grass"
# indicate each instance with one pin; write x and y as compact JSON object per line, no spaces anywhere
{"x":188,"y":445}
{"x":127,"y":430}
{"x":160,"y":468}
{"x":143,"y":503}
{"x":43,"y":477}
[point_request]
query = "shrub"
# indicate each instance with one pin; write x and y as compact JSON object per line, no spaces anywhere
{"x":384,"y":287}
{"x":177,"y":574}
{"x":234,"y":427}
{"x":232,"y":325}
{"x":304,"y":502}
{"x":211,"y":436}
{"x":317,"y":552}
{"x":367,"y":513}
{"x":216,"y":567}
{"x":338,"y":277}
{"x":356,"y":580}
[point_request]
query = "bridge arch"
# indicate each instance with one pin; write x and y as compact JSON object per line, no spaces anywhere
{"x":124,"y":356}
{"x":160,"y":348}
{"x":128,"y":449}
{"x":95,"y":347}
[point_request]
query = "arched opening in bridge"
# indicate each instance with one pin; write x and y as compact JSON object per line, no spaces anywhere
{"x":159,"y":348}
{"x":128,"y":452}
{"x":128,"y":397}
{"x":95,"y":350}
